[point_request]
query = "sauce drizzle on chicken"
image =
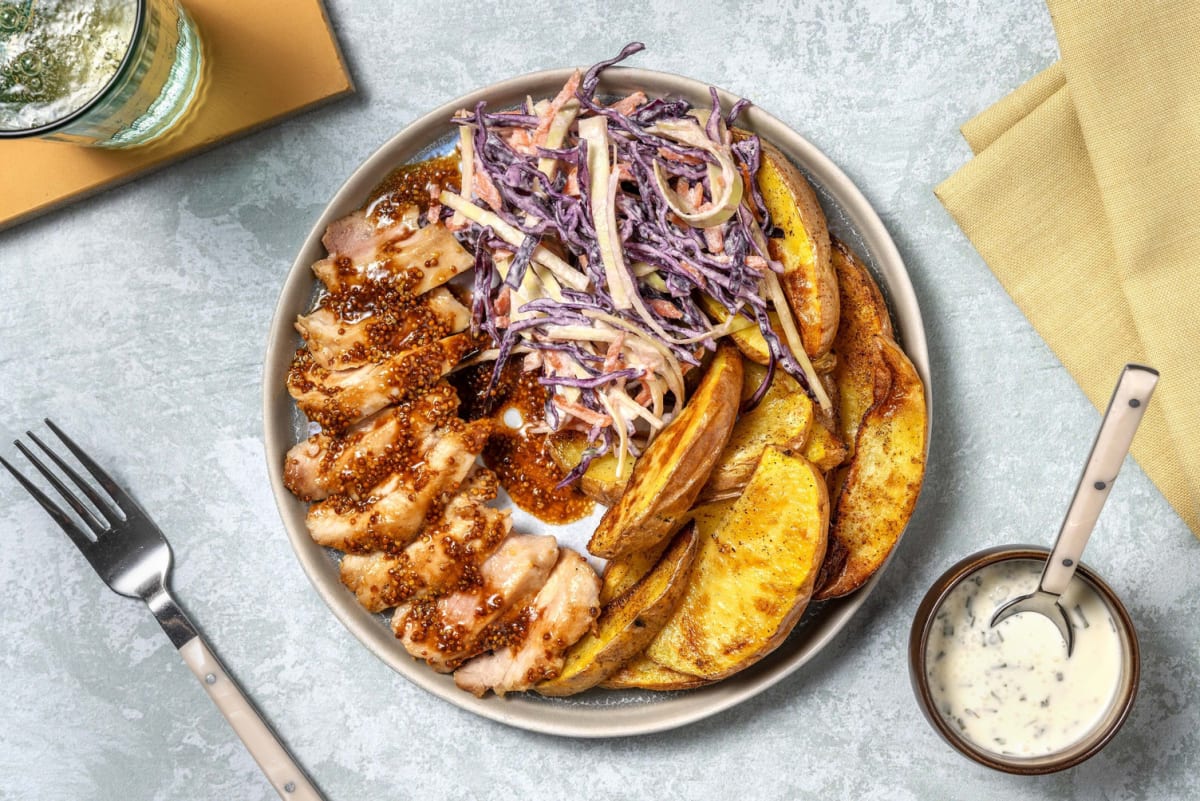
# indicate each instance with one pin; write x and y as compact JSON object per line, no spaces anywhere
{"x":519,"y":455}
{"x":393,"y":476}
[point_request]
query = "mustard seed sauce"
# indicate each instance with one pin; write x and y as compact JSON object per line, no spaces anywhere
{"x":413,"y":185}
{"x":521,"y":460}
{"x":365,"y":470}
{"x":510,"y":630}
{"x":391,"y":321}
{"x":403,"y":378}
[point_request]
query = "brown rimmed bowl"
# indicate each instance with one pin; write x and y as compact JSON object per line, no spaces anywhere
{"x":1068,"y":757}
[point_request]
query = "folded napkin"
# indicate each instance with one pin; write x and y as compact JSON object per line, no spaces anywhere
{"x":1084,"y":199}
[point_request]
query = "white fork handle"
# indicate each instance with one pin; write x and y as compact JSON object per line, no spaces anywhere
{"x":1120,"y":422}
{"x":282,"y":771}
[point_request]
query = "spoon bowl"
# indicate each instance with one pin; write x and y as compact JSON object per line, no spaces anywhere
{"x":1042,"y":603}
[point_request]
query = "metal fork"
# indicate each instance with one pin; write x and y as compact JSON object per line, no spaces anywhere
{"x":134,"y":559}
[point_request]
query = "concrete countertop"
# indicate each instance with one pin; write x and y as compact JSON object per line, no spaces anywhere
{"x":138,"y":320}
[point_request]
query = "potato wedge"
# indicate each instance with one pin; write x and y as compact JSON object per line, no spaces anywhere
{"x":600,"y":481}
{"x":783,"y":417}
{"x":629,"y":623}
{"x":858,"y":294}
{"x":864,"y":315}
{"x":824,"y":448}
{"x":745,"y":333}
{"x":626,"y":570}
{"x":644,"y":673}
{"x":755,"y":573}
{"x":884,"y":477}
{"x":809,"y":280}
{"x":673,"y":469}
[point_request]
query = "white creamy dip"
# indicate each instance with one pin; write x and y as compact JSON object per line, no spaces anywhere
{"x":1012,"y":689}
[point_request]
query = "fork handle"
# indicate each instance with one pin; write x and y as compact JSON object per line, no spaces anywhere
{"x":284,"y":774}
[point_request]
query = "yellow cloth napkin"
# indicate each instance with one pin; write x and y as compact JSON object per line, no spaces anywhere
{"x":1084,"y":199}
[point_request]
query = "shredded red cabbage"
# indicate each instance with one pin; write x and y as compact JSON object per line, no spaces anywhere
{"x":668,"y":261}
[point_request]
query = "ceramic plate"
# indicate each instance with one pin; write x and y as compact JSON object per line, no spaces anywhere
{"x":598,"y":713}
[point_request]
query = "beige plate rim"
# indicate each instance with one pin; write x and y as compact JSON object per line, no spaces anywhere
{"x":595,"y":714}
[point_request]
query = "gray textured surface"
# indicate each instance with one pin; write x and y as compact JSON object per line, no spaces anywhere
{"x":138,"y":320}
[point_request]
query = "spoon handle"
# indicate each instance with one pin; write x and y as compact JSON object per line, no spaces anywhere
{"x":1125,"y":411}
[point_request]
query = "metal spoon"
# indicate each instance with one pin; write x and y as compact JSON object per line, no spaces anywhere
{"x":1125,"y":411}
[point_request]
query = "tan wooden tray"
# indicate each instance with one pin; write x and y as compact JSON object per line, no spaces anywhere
{"x":267,"y":59}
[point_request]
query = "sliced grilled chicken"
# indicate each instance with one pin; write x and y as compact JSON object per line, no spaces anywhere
{"x":356,"y":237}
{"x":396,"y":510}
{"x":339,"y":345}
{"x":339,"y":399}
{"x":447,"y":630}
{"x":356,"y":462}
{"x":447,"y":551}
{"x":413,"y":261}
{"x":563,"y":611}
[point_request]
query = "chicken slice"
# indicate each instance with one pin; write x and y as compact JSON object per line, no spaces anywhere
{"x":563,"y":611}
{"x":448,"y":551}
{"x":445,"y":631}
{"x":412,"y":260}
{"x":396,"y":510}
{"x":356,"y":237}
{"x":339,"y":345}
{"x":338,"y":399}
{"x":354,"y":463}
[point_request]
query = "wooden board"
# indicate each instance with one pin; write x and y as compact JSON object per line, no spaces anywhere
{"x":266,"y":60}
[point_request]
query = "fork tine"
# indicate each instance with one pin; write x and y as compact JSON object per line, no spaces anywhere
{"x":84,"y":513}
{"x":87,"y":489}
{"x":124,"y":501}
{"x":62,"y":518}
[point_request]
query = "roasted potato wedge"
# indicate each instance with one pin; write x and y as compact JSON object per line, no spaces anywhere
{"x":628,"y":624}
{"x":750,"y":340}
{"x":644,"y":673}
{"x":673,"y":469}
{"x":755,"y":572}
{"x":745,"y":333}
{"x":858,"y":294}
{"x":600,"y":481}
{"x":783,"y":417}
{"x":623,"y":572}
{"x":884,"y":476}
{"x":824,"y":448}
{"x":864,"y":315}
{"x":804,"y":250}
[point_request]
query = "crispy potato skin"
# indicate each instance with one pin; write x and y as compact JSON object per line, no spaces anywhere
{"x":836,"y":554}
{"x":628,"y":624}
{"x":864,"y":315}
{"x":783,"y":417}
{"x":755,"y":573}
{"x":643,"y":673}
{"x":805,"y":250}
{"x":674,"y":467}
{"x":600,"y":482}
{"x":884,"y":476}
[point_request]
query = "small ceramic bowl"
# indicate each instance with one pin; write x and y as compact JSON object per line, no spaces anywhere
{"x":1105,"y":729}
